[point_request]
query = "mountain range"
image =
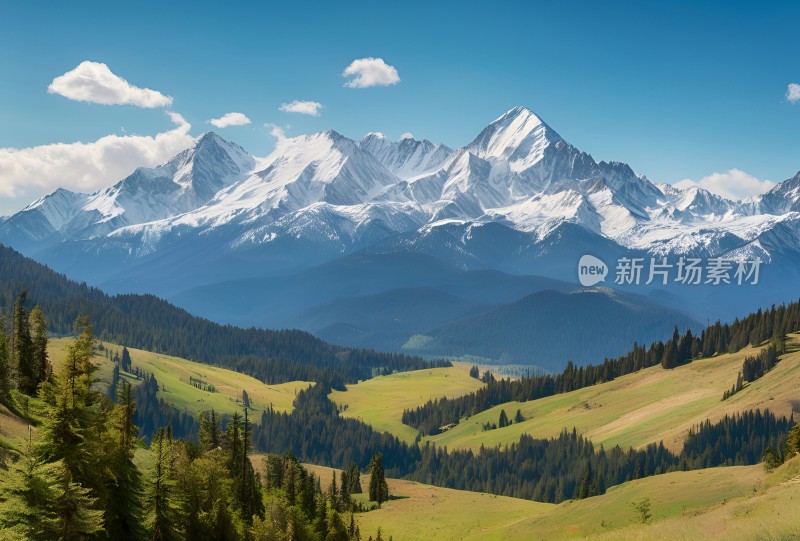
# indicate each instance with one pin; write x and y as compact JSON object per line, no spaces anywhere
{"x":333,"y":235}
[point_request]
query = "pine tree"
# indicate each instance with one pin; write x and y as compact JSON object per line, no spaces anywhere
{"x":22,"y":347}
{"x":209,"y":436}
{"x":5,"y":365}
{"x":114,"y":386}
{"x":685,"y":348}
{"x":337,"y":531}
{"x":503,"y":422}
{"x":40,"y":361}
{"x":354,"y":479}
{"x":74,"y":507}
{"x":28,"y":495}
{"x":71,"y":415}
{"x":161,"y":512}
{"x":124,"y":512}
{"x":378,"y":489}
{"x":333,"y":492}
{"x":125,"y":362}
{"x":670,"y":354}
{"x":321,"y":522}
{"x":793,"y":441}
{"x":518,"y":418}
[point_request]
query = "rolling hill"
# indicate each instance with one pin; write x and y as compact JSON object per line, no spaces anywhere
{"x":175,"y":376}
{"x":740,"y":503}
{"x":633,"y":410}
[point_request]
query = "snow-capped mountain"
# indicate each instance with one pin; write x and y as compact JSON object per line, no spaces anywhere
{"x":783,"y":198}
{"x":182,"y":184}
{"x":518,"y":198}
{"x":407,"y":158}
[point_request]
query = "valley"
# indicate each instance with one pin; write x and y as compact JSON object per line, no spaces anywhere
{"x":516,"y":271}
{"x":647,"y":406}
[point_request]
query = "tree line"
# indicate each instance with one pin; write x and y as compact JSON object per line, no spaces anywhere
{"x":755,"y":366}
{"x":735,"y":440}
{"x":549,"y":470}
{"x":147,"y":322}
{"x":772,"y":324}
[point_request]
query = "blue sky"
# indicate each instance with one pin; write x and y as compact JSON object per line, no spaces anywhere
{"x":677,"y":90}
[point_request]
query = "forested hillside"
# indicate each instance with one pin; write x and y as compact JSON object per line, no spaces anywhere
{"x":77,"y":476}
{"x":146,"y":322}
{"x":772,"y":324}
{"x":549,"y":328}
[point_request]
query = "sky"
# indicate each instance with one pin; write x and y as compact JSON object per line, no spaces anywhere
{"x":684,"y":92}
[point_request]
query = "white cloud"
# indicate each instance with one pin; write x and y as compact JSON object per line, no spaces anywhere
{"x":366,"y":72}
{"x":276,"y":131}
{"x":793,"y":92}
{"x":407,"y":135}
{"x":93,"y":82}
{"x":29,"y":173}
{"x":230,"y":119}
{"x":303,"y":107}
{"x":734,"y":184}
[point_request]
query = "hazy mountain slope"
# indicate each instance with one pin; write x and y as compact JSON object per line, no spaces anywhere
{"x":147,"y":322}
{"x":550,"y":328}
{"x":267,"y":300}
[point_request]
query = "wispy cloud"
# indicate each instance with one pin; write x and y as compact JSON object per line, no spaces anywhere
{"x":276,"y":131}
{"x":407,"y":135}
{"x":230,"y":119}
{"x":94,"y":82}
{"x":303,"y":107}
{"x":733,"y":184}
{"x":85,"y":167}
{"x":366,"y":72}
{"x":793,"y":92}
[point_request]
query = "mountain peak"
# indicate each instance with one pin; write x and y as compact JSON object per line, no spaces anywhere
{"x":333,"y":134}
{"x":519,"y":136}
{"x":208,"y":136}
{"x":517,"y":111}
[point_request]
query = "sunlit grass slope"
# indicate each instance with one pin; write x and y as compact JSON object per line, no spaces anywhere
{"x":648,"y":406}
{"x":380,"y":401}
{"x":173,"y":373}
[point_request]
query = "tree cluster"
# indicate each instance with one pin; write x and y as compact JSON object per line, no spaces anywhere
{"x":77,"y":479}
{"x":24,"y":363}
{"x":735,"y":440}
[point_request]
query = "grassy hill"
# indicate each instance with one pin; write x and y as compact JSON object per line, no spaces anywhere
{"x":427,"y":512}
{"x":380,"y":401}
{"x":738,"y":503}
{"x":173,"y":374}
{"x":648,"y":406}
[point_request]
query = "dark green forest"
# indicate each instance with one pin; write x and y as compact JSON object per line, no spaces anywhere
{"x":147,"y":322}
